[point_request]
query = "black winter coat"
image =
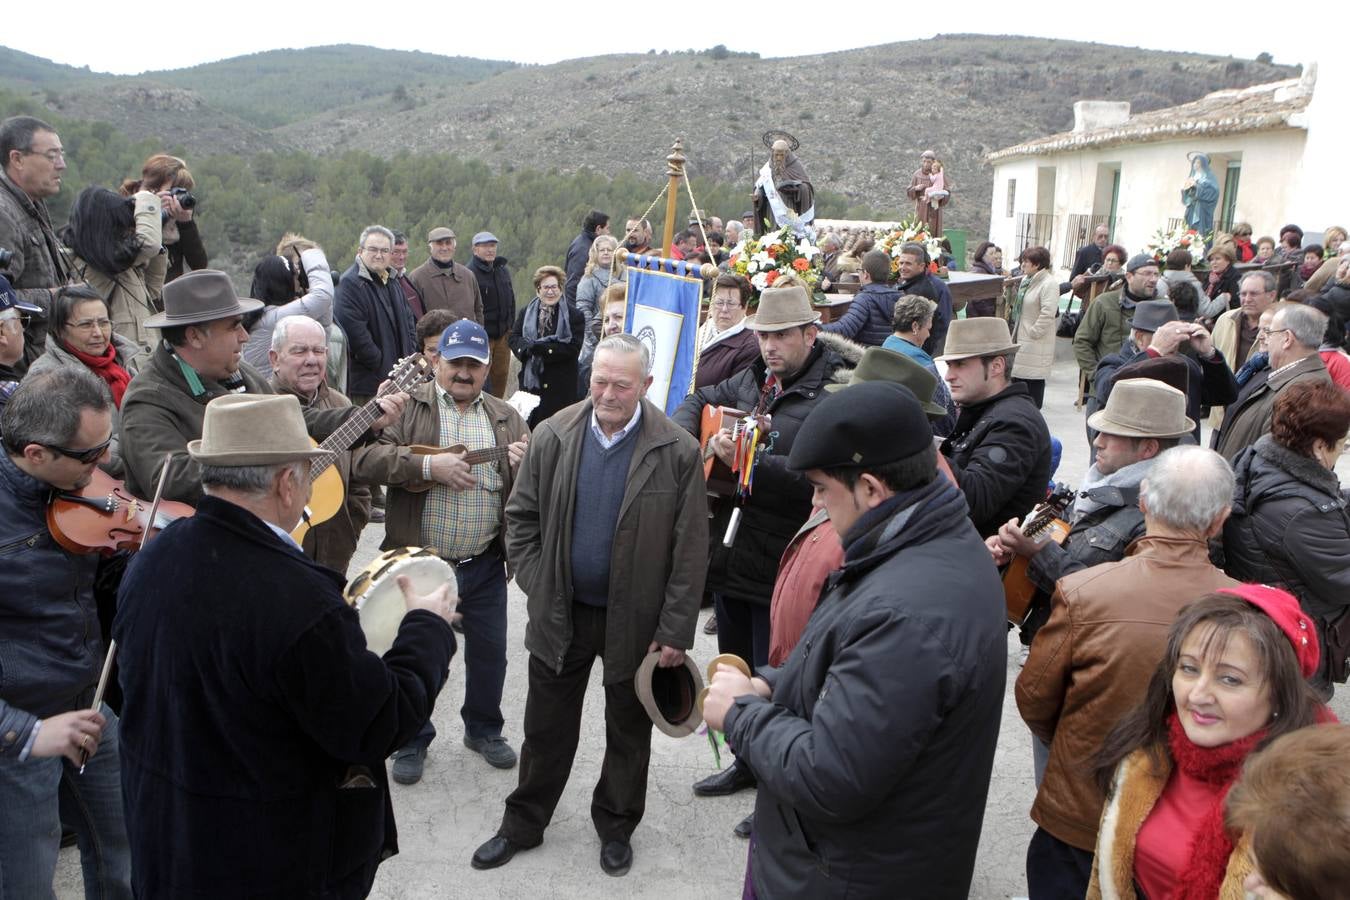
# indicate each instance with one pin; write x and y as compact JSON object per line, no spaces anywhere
{"x":560,"y":388}
{"x":1290,"y":528}
{"x":578,"y":253}
{"x":874,"y":753}
{"x":256,"y":722}
{"x":1000,"y":454}
{"x":1211,"y":382}
{"x":781,"y":500}
{"x":869,"y":316}
{"x":1338,"y":295}
{"x":499,"y":297}
{"x":379,"y":327}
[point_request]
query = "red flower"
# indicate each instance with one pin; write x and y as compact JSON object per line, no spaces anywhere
{"x":800,"y":264}
{"x":771,"y":277}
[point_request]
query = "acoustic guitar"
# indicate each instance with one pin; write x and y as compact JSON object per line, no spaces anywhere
{"x":327,"y":493}
{"x":1018,"y":589}
{"x":721,"y":480}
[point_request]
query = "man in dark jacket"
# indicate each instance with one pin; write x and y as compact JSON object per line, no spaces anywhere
{"x":1157,"y":332}
{"x":1106,"y":324}
{"x":371,"y":309}
{"x":874,"y":742}
{"x":13,"y":347}
{"x":1000,"y":448}
{"x":785,"y":384}
{"x":916,"y":279}
{"x":868,"y":320}
{"x":499,"y":307}
{"x":57,"y":427}
{"x":256,"y":729}
{"x":607,"y":532}
{"x":595,"y":224}
{"x":1089,"y":256}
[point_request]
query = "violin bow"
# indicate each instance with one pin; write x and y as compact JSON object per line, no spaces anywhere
{"x":112,"y":644}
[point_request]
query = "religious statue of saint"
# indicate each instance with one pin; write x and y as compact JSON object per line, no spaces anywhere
{"x":1200,"y":194}
{"x":783,"y":194}
{"x":930,"y":189}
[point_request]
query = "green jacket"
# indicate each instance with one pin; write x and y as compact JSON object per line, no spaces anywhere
{"x":1104,"y":328}
{"x":660,"y":550}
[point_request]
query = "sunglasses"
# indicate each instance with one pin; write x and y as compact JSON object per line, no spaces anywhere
{"x":83,"y":457}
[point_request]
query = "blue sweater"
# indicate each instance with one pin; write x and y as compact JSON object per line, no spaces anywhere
{"x":868,"y":320}
{"x":602,"y":475}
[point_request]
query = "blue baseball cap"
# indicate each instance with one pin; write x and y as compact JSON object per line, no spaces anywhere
{"x":10,"y":300}
{"x":465,"y":338}
{"x":485,"y":237}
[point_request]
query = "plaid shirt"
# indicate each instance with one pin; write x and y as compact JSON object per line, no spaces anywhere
{"x":461,"y":524}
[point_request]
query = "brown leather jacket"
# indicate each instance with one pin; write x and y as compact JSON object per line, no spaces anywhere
{"x":1091,"y":662}
{"x":391,"y":462}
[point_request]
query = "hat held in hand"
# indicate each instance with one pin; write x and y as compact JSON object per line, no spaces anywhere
{"x":670,"y":695}
{"x":254,"y":430}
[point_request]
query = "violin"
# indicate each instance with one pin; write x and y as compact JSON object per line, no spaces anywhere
{"x":104,"y":517}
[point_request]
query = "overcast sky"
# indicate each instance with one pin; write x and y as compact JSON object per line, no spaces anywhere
{"x":109,"y":37}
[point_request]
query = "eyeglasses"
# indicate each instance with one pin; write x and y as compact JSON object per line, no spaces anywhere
{"x":549,"y":289}
{"x":1267,"y":332}
{"x":376,"y":251}
{"x":725,"y":304}
{"x":83,"y":457}
{"x":13,"y":324}
{"x":91,"y":324}
{"x":52,"y":156}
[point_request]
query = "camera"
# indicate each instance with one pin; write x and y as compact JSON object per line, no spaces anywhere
{"x":184,"y":197}
{"x":5,"y":256}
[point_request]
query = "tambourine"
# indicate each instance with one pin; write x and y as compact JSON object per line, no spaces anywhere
{"x":722,"y":659}
{"x":375,"y":594}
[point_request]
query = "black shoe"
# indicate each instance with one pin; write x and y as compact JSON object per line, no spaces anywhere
{"x":616,"y":857}
{"x":744,"y":826}
{"x":495,"y":750}
{"x":497,"y":851}
{"x":408,"y":762}
{"x":725,"y":783}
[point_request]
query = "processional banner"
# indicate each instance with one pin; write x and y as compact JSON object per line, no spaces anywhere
{"x":663,"y":305}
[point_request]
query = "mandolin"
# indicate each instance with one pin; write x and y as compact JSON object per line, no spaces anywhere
{"x":471,"y":457}
{"x":327,"y":492}
{"x":1044,"y":522}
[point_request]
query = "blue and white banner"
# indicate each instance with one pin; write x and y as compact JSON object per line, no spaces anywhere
{"x":663,"y":305}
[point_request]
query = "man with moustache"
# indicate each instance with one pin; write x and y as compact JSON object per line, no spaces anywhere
{"x":198,"y":359}
{"x":298,"y":356}
{"x":439,"y":500}
{"x":57,"y":426}
{"x":1106,"y":324}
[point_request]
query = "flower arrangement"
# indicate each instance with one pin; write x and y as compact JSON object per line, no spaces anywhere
{"x":766,"y":259}
{"x":910,"y":231}
{"x":1184,"y":237}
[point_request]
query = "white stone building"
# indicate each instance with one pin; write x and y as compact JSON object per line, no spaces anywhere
{"x":1278,"y":151}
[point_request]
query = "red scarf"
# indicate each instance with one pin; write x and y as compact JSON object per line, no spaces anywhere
{"x":105,"y":366}
{"x":1219,"y":766}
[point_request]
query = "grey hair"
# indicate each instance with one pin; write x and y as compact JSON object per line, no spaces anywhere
{"x":281,"y":332}
{"x":626,"y":343}
{"x":911,"y":310}
{"x":375,"y":229}
{"x":255,"y":481}
{"x":1306,"y":324}
{"x":832,"y":240}
{"x":1188,"y":487}
{"x":46,"y":408}
{"x":1267,"y":280}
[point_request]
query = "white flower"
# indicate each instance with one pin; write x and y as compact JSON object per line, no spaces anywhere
{"x":762,"y":258}
{"x":807,"y":249}
{"x":760,"y":281}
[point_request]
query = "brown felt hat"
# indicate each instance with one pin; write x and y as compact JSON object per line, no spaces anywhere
{"x":782,"y":308}
{"x":670,"y":696}
{"x":1143,"y":408}
{"x":981,"y":336}
{"x":201,"y":296}
{"x":254,"y":430}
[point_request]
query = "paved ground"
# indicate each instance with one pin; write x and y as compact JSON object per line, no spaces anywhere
{"x":684,"y":848}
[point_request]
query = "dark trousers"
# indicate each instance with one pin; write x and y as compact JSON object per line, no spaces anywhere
{"x":743,"y":629}
{"x":1037,"y":388}
{"x":552,"y":729}
{"x":1056,"y":870}
{"x":482,"y":603}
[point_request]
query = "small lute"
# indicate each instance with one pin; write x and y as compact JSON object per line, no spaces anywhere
{"x":471,"y":457}
{"x":1018,"y":589}
{"x":327,"y":492}
{"x":721,"y":480}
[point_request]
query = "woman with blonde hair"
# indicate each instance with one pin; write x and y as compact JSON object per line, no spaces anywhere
{"x":600,"y":272}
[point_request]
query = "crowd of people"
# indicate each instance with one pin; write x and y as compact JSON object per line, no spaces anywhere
{"x":1183,"y":632}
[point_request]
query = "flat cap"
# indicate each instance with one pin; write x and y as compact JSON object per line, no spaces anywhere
{"x":867,"y":424}
{"x":1141,"y":261}
{"x":484,"y":237}
{"x":440,"y":233}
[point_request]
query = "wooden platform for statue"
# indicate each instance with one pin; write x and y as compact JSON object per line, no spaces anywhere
{"x":834,"y":307}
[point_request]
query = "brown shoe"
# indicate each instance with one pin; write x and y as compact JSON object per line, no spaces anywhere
{"x":710,"y":626}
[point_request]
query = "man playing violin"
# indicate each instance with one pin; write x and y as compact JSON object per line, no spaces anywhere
{"x":198,"y":359}
{"x":440,"y":500}
{"x":299,"y":357}
{"x":59,"y":759}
